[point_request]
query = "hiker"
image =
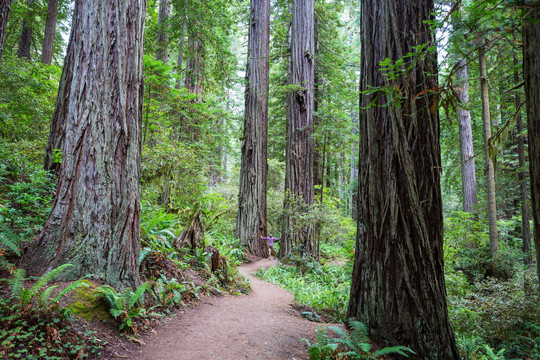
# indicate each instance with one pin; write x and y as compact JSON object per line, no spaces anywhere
{"x":271,"y":240}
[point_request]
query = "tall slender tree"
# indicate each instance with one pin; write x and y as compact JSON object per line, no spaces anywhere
{"x":25,"y":41}
{"x":300,"y":149}
{"x":531,"y":75}
{"x":251,"y":216}
{"x":468,"y":174}
{"x":165,"y":9}
{"x":490,"y":163}
{"x":522,"y":175}
{"x":50,"y":31}
{"x":180,"y":60}
{"x":398,"y":287}
{"x":95,"y":218}
{"x":5,"y":7}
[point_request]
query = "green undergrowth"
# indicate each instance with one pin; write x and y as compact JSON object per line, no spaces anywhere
{"x":322,"y":288}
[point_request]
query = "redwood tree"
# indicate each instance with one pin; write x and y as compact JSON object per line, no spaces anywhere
{"x":531,"y":75}
{"x":165,"y":9}
{"x":95,"y":218}
{"x":50,"y":31}
{"x":251,"y":217}
{"x":300,"y":148}
{"x":5,"y":7}
{"x":398,"y":287}
{"x":25,"y":41}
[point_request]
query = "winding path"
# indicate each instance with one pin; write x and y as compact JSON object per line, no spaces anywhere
{"x":261,"y":325}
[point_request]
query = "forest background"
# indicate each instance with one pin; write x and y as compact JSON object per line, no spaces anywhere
{"x":193,"y":112}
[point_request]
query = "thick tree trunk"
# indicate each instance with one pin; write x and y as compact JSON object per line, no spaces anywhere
{"x":468,"y":175}
{"x":25,"y":41}
{"x":251,"y":217}
{"x":490,"y":166}
{"x":300,"y":144}
{"x":531,"y":75}
{"x":95,"y":219}
{"x":398,"y":287}
{"x":180,"y":60}
{"x":522,"y":175}
{"x":5,"y":7}
{"x":50,"y":31}
{"x":165,"y":9}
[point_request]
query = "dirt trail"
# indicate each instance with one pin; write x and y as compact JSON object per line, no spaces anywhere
{"x":261,"y":325}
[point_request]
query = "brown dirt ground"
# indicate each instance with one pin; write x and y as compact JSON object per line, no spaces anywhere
{"x":261,"y":325}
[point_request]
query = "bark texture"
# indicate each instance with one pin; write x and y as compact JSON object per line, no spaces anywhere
{"x":165,"y":9}
{"x":25,"y":41}
{"x":531,"y":75}
{"x":50,"y":31}
{"x":490,"y":166}
{"x":522,"y":175}
{"x":95,"y":218}
{"x":180,"y":60}
{"x":398,"y":287}
{"x":300,"y":144}
{"x":5,"y":7}
{"x":468,"y":175}
{"x":251,"y":216}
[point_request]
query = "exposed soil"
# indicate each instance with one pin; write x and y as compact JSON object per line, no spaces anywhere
{"x":261,"y":325}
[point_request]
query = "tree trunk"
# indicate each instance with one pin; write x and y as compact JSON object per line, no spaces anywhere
{"x":398,"y":289}
{"x":95,"y":218}
{"x":61,"y":112}
{"x":50,"y":31}
{"x":5,"y":7}
{"x":490,"y":166}
{"x":300,"y":147}
{"x":194,"y":67}
{"x":180,"y":60}
{"x":468,"y":175}
{"x":165,"y":9}
{"x":251,"y":217}
{"x":26,"y":33}
{"x":531,"y":75}
{"x":522,"y":176}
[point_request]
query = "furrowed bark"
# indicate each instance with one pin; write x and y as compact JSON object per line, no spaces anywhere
{"x":300,"y":144}
{"x":25,"y":41}
{"x":165,"y":9}
{"x":398,"y":289}
{"x":251,"y":216}
{"x":95,"y":218}
{"x":5,"y":8}
{"x":50,"y":31}
{"x":468,"y":175}
{"x":531,"y":75}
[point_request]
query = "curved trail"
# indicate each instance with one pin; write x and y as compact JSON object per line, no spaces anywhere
{"x":261,"y":325}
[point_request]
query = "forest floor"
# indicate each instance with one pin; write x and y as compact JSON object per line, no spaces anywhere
{"x":261,"y":325}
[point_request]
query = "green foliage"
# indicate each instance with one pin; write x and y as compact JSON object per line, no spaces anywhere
{"x":27,"y":95}
{"x":168,"y":293}
{"x":324,"y":288}
{"x":125,"y":306}
{"x":356,"y":344}
{"x":33,"y":326}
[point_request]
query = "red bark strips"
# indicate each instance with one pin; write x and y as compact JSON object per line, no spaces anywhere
{"x":300,"y":150}
{"x":251,"y":216}
{"x":398,"y":287}
{"x":95,"y":219}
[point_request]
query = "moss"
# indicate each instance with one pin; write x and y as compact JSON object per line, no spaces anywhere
{"x":87,"y":305}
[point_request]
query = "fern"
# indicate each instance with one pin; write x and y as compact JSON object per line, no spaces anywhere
{"x":8,"y":239}
{"x":17,"y":282}
{"x":27,"y":295}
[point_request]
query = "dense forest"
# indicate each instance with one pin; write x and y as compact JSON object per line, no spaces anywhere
{"x":150,"y":147}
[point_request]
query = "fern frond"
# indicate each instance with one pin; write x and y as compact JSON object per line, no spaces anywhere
{"x":401,"y":350}
{"x":70,"y":288}
{"x":9,"y":240}
{"x":359,"y":331}
{"x":42,"y":281}
{"x":138,"y":295}
{"x":17,"y":282}
{"x":44,"y":298}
